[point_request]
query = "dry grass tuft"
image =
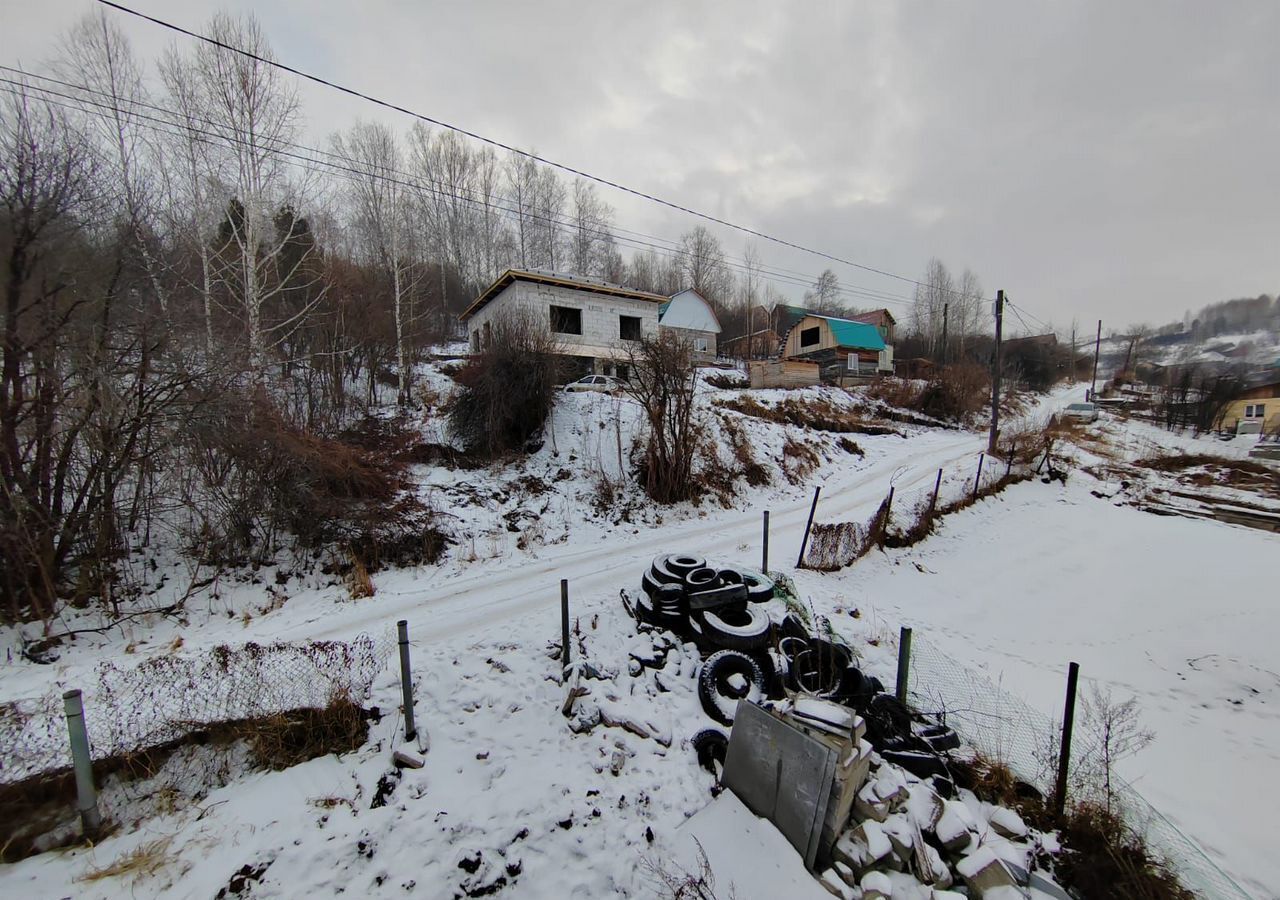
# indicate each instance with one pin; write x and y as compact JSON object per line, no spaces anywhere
{"x":142,"y":861}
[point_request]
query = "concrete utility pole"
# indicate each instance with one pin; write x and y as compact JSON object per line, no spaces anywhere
{"x":995,"y":375}
{"x":1097,"y":347}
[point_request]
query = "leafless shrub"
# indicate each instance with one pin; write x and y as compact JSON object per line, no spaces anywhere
{"x":1114,"y":732}
{"x":663,"y":379}
{"x":955,"y":392}
{"x":674,"y":882}
{"x":508,"y":389}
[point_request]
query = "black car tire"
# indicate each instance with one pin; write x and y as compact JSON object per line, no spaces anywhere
{"x":718,"y":698}
{"x":711,"y":746}
{"x":736,"y":628}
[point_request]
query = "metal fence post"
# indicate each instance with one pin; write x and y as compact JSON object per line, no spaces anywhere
{"x":937,"y":486}
{"x":904,"y":663}
{"x":1064,"y":756}
{"x":564,"y":619}
{"x":764,"y":553}
{"x":406,"y":680}
{"x":977,"y":479}
{"x":86,"y":794}
{"x":808,"y":526}
{"x":1008,"y":468}
{"x":884,"y":525}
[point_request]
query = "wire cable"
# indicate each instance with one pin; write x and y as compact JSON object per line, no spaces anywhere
{"x":508,"y":147}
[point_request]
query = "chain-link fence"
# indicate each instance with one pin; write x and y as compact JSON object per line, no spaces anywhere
{"x":1004,"y":728}
{"x":903,"y":518}
{"x":129,"y":709}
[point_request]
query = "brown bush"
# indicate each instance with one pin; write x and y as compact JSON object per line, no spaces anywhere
{"x":663,"y":379}
{"x":955,"y":392}
{"x":264,"y":478}
{"x":902,"y":393}
{"x":508,"y":390}
{"x":1104,"y":859}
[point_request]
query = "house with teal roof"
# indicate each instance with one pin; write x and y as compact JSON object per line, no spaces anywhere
{"x":843,"y":348}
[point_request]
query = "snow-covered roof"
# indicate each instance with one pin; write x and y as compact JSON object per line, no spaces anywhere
{"x":689,"y":310}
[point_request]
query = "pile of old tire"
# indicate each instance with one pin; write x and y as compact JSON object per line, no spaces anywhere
{"x":718,"y":609}
{"x":821,"y":667}
{"x":715,"y":607}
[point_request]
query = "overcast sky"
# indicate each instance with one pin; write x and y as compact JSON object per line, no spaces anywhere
{"x":1096,"y":160}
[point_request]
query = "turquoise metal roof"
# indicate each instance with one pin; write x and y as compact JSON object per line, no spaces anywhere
{"x":662,"y":310}
{"x":858,"y":335}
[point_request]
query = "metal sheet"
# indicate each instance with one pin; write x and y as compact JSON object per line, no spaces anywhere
{"x":780,"y":774}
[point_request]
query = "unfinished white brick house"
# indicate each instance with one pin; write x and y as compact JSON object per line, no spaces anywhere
{"x":593,"y":322}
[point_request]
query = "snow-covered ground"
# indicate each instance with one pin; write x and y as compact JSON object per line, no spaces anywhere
{"x":1173,"y":611}
{"x":1178,"y":613}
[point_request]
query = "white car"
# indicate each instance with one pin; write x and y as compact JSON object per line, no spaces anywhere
{"x":605,"y":384}
{"x":1086,"y":412}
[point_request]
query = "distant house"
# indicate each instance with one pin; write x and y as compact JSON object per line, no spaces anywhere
{"x":884,"y":322}
{"x":1258,"y":407}
{"x":688,"y":314}
{"x":595,"y":323}
{"x":770,"y":325}
{"x":843,"y":348}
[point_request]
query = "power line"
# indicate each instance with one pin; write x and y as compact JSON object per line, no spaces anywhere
{"x":507,"y":147}
{"x":179,"y":124}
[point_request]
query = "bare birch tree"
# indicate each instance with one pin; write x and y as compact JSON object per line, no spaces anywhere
{"x":381,"y":212}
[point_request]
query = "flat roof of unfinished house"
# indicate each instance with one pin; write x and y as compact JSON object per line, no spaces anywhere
{"x":569,"y":281}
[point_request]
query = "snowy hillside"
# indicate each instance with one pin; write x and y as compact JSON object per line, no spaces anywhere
{"x":513,"y":801}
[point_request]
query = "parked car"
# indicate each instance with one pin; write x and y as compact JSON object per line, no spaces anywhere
{"x":1086,"y":412}
{"x":605,"y":384}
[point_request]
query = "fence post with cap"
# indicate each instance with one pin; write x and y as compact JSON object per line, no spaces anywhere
{"x":904,"y":663}
{"x":406,"y":680}
{"x":764,"y":552}
{"x":86,"y":793}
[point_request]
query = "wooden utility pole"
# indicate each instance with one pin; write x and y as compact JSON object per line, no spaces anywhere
{"x":1097,"y":347}
{"x":995,"y":375}
{"x":944,"y":332}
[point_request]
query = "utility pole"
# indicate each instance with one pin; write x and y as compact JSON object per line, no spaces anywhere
{"x":1097,"y":347}
{"x":944,"y":332}
{"x":1073,"y":352}
{"x":995,"y":375}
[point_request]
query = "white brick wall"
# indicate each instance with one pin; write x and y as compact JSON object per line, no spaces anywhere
{"x":600,"y":314}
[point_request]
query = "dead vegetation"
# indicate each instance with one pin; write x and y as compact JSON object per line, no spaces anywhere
{"x":142,"y":861}
{"x":954,"y":393}
{"x":1102,"y":856}
{"x":819,"y":414}
{"x":44,"y":805}
{"x":1245,"y":474}
{"x":799,"y":459}
{"x":1105,"y":859}
{"x":727,"y":380}
{"x":265,"y":481}
{"x":663,"y":377}
{"x":507,"y":390}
